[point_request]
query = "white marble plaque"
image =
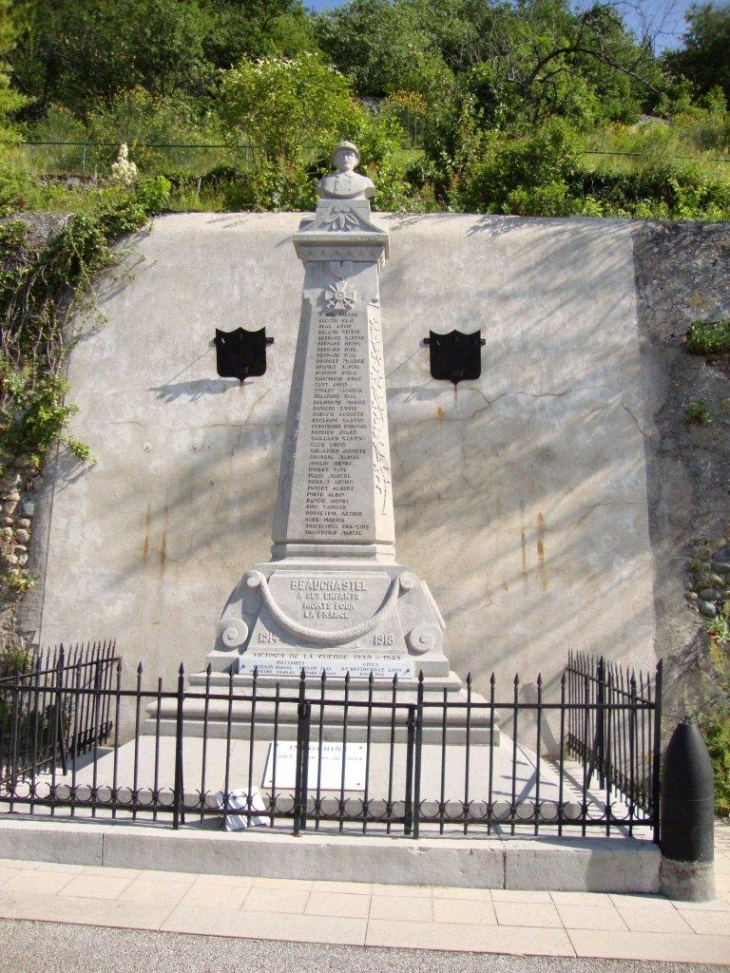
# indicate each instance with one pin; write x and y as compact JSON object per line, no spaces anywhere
{"x":335,"y":664}
{"x":323,"y":774}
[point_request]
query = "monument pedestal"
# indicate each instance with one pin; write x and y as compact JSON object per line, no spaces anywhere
{"x":316,"y":615}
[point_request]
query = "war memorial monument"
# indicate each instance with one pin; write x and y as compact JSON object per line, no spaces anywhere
{"x":333,"y":598}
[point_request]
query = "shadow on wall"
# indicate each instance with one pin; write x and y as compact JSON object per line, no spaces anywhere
{"x":193,"y":391}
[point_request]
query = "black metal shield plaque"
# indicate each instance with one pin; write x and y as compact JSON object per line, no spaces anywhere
{"x":455,"y":356}
{"x":241,"y":354}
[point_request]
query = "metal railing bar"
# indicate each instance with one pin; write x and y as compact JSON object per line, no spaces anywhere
{"x":467,"y":754}
{"x":320,"y":753}
{"x":345,"y":714}
{"x":275,"y":754}
{"x":368,"y":735}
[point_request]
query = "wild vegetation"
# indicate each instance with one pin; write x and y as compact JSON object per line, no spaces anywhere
{"x":531,"y":107}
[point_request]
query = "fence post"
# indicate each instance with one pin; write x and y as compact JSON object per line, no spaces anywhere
{"x":410,"y":748}
{"x":96,"y":730}
{"x":687,"y":817}
{"x":595,"y":757}
{"x":418,"y":756}
{"x":601,"y":722}
{"x":656,"y":775}
{"x":301,"y":783}
{"x":14,"y":718}
{"x":61,"y":742}
{"x":177,"y":811}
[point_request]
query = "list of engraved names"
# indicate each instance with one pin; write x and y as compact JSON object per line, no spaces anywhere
{"x":339,"y":440}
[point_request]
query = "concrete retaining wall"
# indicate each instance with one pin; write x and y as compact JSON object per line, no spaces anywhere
{"x":521,"y":497}
{"x":566,"y":864}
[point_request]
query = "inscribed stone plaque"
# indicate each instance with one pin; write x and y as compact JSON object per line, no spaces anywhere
{"x":324,"y":774}
{"x":329,"y":609}
{"x":333,"y":664}
{"x":332,"y":490}
{"x":329,"y":601}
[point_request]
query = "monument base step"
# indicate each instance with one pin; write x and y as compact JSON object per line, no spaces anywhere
{"x":219,"y":706}
{"x":507,"y":856}
{"x":500,"y":776}
{"x":243,"y":682}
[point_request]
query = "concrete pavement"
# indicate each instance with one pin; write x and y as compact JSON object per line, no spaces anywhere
{"x":572,"y":925}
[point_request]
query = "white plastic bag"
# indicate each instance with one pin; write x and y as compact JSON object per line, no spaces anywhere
{"x":239,"y":801}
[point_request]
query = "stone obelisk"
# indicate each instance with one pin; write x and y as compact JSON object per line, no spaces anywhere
{"x":333,"y":598}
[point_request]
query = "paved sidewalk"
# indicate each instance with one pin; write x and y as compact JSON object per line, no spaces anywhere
{"x":560,"y":924}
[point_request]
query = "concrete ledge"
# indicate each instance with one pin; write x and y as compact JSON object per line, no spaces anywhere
{"x":63,"y":842}
{"x":567,"y":864}
{"x":583,"y":865}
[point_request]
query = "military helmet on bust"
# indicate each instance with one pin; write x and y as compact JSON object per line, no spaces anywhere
{"x":345,"y":147}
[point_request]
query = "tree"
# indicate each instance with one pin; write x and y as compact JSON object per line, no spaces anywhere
{"x":10,"y":100}
{"x":705,"y":59}
{"x":522,"y":60}
{"x":385,"y":46}
{"x":82,"y":53}
{"x":279,"y":107}
{"x":256,"y":28}
{"x":539,"y":58}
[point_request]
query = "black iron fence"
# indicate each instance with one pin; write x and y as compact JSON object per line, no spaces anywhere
{"x":606,"y":731}
{"x":55,"y":711}
{"x":337,"y":754}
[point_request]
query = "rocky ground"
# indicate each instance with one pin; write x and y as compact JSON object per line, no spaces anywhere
{"x":683,"y":275}
{"x":18,"y":476}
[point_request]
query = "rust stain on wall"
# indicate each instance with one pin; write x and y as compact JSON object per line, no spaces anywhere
{"x":146,"y":542}
{"x":523,"y":545}
{"x":541,"y":570}
{"x":163,"y":542}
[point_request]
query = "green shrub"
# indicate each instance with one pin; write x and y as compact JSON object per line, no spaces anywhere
{"x":549,"y":200}
{"x":35,"y":286}
{"x":279,"y":107}
{"x":14,"y":661}
{"x":670,"y":190}
{"x":508,"y":172}
{"x":715,"y":727}
{"x":698,"y":412}
{"x":284,"y":117}
{"x":16,"y":188}
{"x":59,"y":125}
{"x":714,"y":720}
{"x":709,"y":337}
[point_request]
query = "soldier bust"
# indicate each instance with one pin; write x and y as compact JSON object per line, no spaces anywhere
{"x":345,"y":183}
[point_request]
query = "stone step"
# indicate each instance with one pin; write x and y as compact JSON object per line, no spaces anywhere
{"x":208,"y":709}
{"x":335,"y":685}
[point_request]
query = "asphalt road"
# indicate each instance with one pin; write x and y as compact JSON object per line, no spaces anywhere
{"x":43,"y":947}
